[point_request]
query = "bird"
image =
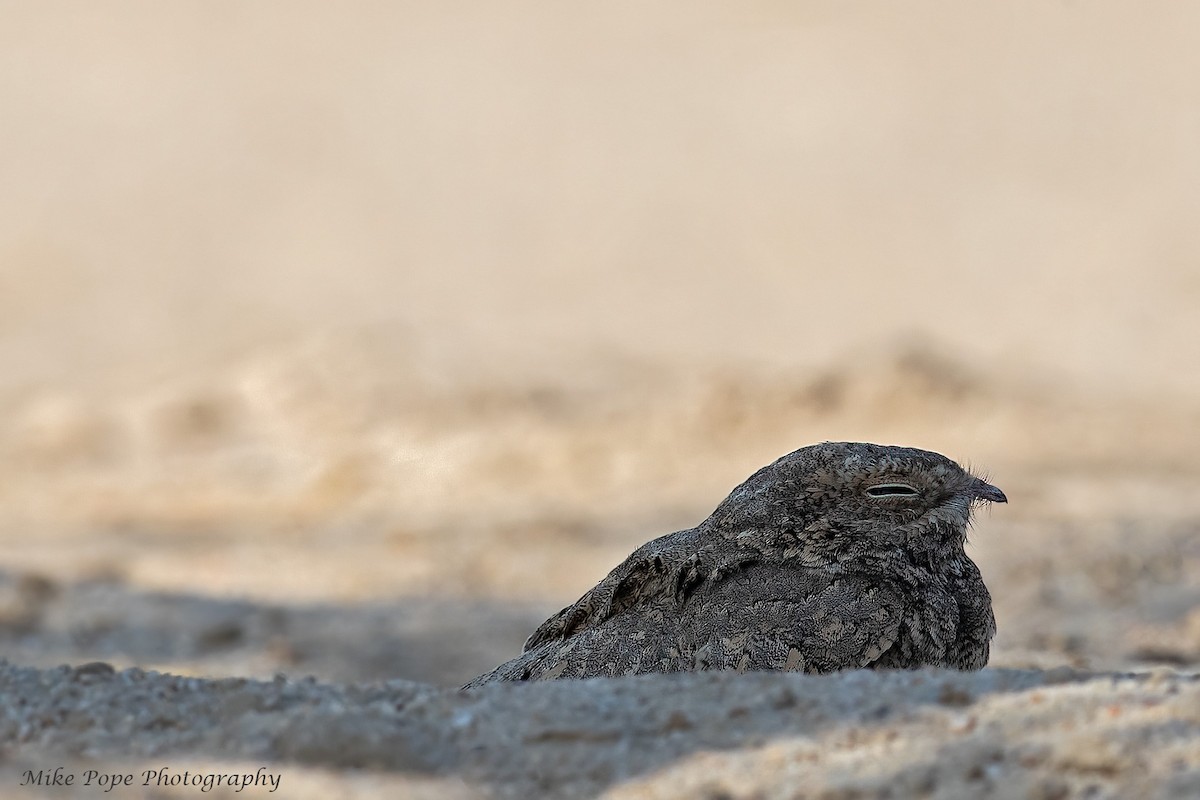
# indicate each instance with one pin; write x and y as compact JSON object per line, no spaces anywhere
{"x":839,"y":555}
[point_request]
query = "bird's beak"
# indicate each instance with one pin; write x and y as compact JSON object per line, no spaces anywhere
{"x":982,"y":490}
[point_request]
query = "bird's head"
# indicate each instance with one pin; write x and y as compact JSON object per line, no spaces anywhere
{"x":854,"y":494}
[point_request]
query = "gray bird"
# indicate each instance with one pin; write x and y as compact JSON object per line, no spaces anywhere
{"x":841,"y":555}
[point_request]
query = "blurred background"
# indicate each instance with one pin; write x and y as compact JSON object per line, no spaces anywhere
{"x":353,"y":340}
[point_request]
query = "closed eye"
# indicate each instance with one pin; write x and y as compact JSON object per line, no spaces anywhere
{"x":892,"y":490}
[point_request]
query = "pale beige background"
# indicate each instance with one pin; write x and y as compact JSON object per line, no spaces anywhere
{"x":526,"y":181}
{"x":314,"y":306}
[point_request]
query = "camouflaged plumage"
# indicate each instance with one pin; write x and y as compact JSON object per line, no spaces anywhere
{"x":836,"y":556}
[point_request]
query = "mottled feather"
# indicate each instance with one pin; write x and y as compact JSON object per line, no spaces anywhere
{"x":836,"y":556}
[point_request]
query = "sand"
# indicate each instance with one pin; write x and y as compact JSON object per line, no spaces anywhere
{"x":341,"y":346}
{"x":998,"y":733}
{"x":307,"y":603}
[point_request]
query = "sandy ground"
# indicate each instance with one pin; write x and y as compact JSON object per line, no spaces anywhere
{"x":387,"y":541}
{"x":345,"y":345}
{"x":999,"y":733}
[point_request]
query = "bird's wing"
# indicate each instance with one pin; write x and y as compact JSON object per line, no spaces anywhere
{"x":649,"y":573}
{"x":771,"y":616}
